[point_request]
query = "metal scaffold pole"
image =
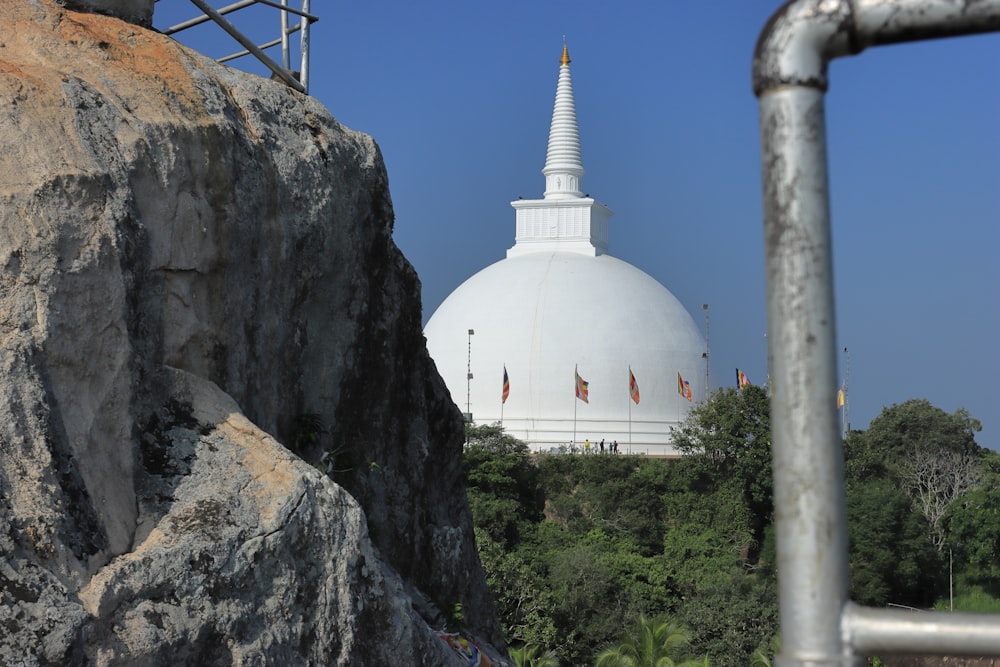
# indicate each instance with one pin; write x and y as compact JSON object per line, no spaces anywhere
{"x":819,"y":625}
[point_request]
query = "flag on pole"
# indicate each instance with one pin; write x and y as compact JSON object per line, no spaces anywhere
{"x":683,"y":387}
{"x":741,"y":379}
{"x":633,"y":387}
{"x":506,"y":386}
{"x":582,"y":387}
{"x":840,"y":398}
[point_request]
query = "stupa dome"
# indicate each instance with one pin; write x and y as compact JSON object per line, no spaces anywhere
{"x":558,"y":307}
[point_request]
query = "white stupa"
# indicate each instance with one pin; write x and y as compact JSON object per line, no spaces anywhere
{"x":559,"y":305}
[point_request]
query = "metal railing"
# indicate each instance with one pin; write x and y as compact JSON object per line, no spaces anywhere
{"x":819,"y":624}
{"x":297,"y":80}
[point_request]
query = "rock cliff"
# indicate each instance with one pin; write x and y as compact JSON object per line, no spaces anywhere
{"x":196,"y":266}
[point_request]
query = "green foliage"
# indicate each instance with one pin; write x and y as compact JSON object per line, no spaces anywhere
{"x":973,"y":599}
{"x":575,"y":548}
{"x":618,"y":495}
{"x":974,"y":524}
{"x":730,"y":617}
{"x":653,"y":643}
{"x":523,"y":596}
{"x":890,"y":557}
{"x":501,"y":484}
{"x":764,"y":655}
{"x":531,"y":655}
{"x":916,"y":423}
{"x":728,"y":443}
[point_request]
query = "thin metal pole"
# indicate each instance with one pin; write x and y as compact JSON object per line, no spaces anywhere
{"x":847,"y":393}
{"x":630,"y":406}
{"x":707,"y":350}
{"x":468,"y":381}
{"x":304,"y":46}
{"x":286,"y":59}
{"x":279,"y":71}
{"x":576,"y":384}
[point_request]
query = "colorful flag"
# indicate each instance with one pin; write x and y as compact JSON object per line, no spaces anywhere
{"x":687,"y":390}
{"x":680,"y":385}
{"x":841,"y":397}
{"x":633,"y":387}
{"x":582,"y":387}
{"x":741,"y":379}
{"x":506,"y":386}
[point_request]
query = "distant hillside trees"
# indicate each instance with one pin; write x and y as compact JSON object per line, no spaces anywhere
{"x":580,"y":550}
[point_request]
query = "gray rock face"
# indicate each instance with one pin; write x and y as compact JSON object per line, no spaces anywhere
{"x":191,"y":260}
{"x":135,"y":11}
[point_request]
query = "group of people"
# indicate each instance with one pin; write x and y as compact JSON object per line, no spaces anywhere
{"x":612,"y":446}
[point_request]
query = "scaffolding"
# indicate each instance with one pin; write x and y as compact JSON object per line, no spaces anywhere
{"x":299,"y":80}
{"x":820,"y":626}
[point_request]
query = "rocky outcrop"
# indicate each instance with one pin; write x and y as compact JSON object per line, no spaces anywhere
{"x":195,"y":262}
{"x":134,"y":11}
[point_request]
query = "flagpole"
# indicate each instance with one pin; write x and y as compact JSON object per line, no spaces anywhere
{"x":847,"y":377}
{"x":576,"y":375}
{"x":630,"y":407}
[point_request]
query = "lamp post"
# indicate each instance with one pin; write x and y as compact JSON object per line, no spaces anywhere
{"x":704,"y":307}
{"x":468,"y":381}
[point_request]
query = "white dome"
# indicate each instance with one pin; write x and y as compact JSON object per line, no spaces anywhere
{"x":542,"y":315}
{"x":559,"y":304}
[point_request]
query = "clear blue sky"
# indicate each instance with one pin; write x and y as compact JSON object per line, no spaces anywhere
{"x":459,"y":97}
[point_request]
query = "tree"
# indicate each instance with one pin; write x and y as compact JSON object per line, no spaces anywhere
{"x":933,"y":453}
{"x":501,"y":483}
{"x":653,"y":644}
{"x":531,"y":655}
{"x":891,"y":559}
{"x":728,"y":442}
{"x":522,"y":593}
{"x":974,"y":525}
{"x":727,"y":618}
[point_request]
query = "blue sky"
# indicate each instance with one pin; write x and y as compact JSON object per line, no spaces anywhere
{"x":459,"y":97}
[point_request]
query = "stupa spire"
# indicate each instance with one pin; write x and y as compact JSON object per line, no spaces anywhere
{"x":563,"y":166}
{"x":564,"y":220}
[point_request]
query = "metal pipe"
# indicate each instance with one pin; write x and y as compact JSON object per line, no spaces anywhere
{"x":198,"y":20}
{"x":249,"y":45}
{"x":243,"y":53}
{"x":935,"y":633}
{"x":286,"y":60}
{"x":809,"y":505}
{"x":228,"y":9}
{"x":304,"y":24}
{"x":790,"y":79}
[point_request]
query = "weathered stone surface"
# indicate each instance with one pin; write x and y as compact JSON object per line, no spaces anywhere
{"x":136,"y":11}
{"x":190,"y":258}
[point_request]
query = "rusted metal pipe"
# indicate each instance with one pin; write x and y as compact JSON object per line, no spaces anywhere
{"x":818,"y":624}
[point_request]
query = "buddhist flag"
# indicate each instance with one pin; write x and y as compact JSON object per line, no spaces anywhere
{"x":633,"y":387}
{"x":582,"y":387}
{"x":683,"y":387}
{"x":741,"y":379}
{"x":506,"y":386}
{"x":840,"y":398}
